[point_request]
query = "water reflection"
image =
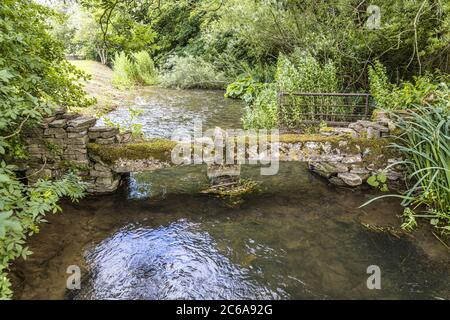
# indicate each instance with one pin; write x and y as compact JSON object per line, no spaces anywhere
{"x":177,"y":261}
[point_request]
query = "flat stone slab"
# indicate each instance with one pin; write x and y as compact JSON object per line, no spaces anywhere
{"x":100,"y":129}
{"x":60,"y":123}
{"x":82,"y":122}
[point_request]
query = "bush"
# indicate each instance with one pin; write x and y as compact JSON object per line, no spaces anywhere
{"x":138,"y":70}
{"x":125,"y":74}
{"x":422,"y":90}
{"x":192,"y":72}
{"x":145,"y":68}
{"x":299,"y":72}
{"x":262,"y":113}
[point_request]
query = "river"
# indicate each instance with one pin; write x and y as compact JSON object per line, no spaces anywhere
{"x":157,"y":238}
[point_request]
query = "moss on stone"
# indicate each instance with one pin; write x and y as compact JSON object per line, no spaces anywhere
{"x":73,"y":165}
{"x":154,"y":148}
{"x":160,"y":149}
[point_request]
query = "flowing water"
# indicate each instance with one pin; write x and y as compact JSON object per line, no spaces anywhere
{"x":159,"y":238}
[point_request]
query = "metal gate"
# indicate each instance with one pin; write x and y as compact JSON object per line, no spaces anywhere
{"x":335,"y":109}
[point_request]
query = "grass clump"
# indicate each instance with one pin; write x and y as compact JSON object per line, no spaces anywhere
{"x":138,"y":69}
{"x":424,"y":142}
{"x":146,"y":73}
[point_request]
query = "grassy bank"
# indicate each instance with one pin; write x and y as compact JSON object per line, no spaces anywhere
{"x":100,"y":87}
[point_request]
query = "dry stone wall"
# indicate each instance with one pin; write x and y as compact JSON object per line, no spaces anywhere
{"x":59,"y":144}
{"x":345,"y":156}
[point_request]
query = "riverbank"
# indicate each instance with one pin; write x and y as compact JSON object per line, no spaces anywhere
{"x":100,"y":87}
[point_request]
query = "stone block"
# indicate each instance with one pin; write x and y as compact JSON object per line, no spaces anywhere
{"x":70,"y":115}
{"x":327,"y":169}
{"x":350,"y":179}
{"x":107,"y":132}
{"x":78,"y":141}
{"x":352,"y":159}
{"x":82,"y":121}
{"x":55,"y":132}
{"x":373,"y":133}
{"x":337,"y":181}
{"x":360,"y":171}
{"x":60,"y":123}
{"x":105,"y":140}
{"x":100,"y":167}
{"x":80,"y":134}
{"x":103,"y":174}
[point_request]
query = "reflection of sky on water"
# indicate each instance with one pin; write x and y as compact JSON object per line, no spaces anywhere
{"x":177,"y":261}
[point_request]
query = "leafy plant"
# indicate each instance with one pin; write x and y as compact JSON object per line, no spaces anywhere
{"x":425,"y":143}
{"x":125,"y":73}
{"x":426,"y":89}
{"x":145,"y":68}
{"x":380,"y":87}
{"x":192,"y":72}
{"x":22,"y":209}
{"x":299,"y":72}
{"x":35,"y":78}
{"x":129,"y":124}
{"x":378,"y":181}
{"x":245,"y":88}
{"x":263,"y":112}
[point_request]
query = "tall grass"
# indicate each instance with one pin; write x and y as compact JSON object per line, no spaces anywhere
{"x":124,"y":73}
{"x":425,"y":142}
{"x":137,"y":70}
{"x":145,"y":68}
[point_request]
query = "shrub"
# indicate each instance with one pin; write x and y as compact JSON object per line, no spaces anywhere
{"x":262,"y":113}
{"x":137,"y":70}
{"x":125,"y":74}
{"x":192,"y":72}
{"x":145,"y":68}
{"x":423,"y":89}
{"x":379,"y":85}
{"x":299,"y":72}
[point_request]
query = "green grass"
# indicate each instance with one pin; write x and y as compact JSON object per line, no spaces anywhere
{"x":100,"y":87}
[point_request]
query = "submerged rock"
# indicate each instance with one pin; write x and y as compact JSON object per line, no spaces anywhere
{"x":350,"y":179}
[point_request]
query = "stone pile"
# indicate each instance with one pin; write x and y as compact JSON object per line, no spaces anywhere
{"x":59,"y":144}
{"x":103,"y":178}
{"x":354,"y":169}
{"x":379,"y":128}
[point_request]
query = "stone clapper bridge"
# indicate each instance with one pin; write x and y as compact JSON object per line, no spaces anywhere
{"x":103,"y":156}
